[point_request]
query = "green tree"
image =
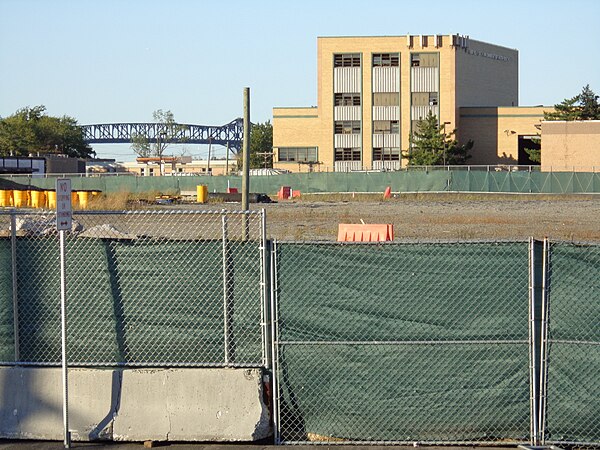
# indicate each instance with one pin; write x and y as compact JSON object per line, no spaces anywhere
{"x":261,"y":146}
{"x":431,"y":145}
{"x":535,"y":154}
{"x":584,"y":106}
{"x":32,"y":131}
{"x":167,"y":131}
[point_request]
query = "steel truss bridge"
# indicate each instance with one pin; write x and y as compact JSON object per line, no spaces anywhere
{"x":229,"y":135}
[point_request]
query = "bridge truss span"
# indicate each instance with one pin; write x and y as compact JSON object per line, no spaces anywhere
{"x":228,"y":135}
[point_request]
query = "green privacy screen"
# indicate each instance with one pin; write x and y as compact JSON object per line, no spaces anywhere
{"x":403,"y":342}
{"x":573,"y":380}
{"x":140,"y":301}
{"x":519,"y":181}
{"x":7,"y":344}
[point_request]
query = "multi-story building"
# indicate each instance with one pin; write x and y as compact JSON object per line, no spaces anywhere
{"x":372,"y":91}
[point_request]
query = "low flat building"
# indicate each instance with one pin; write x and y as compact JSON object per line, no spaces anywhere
{"x":180,"y":166}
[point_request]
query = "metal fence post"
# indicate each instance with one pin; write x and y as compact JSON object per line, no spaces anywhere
{"x":265,"y":276}
{"x":536,"y":275}
{"x":15,"y":285}
{"x":274,"y":344}
{"x":226,"y":293}
{"x":544,"y":343}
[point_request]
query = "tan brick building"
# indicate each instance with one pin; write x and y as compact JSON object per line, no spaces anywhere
{"x":373,"y":90}
{"x":571,"y":146}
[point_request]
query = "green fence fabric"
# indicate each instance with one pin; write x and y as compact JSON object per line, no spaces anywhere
{"x":7,"y":345}
{"x":385,"y":341}
{"x":439,"y":180}
{"x":573,"y":385}
{"x":138,"y":301}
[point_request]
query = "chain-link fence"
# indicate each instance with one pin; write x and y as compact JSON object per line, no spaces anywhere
{"x":143,"y":289}
{"x":571,"y":385}
{"x":470,"y":342}
{"x":403,"y":343}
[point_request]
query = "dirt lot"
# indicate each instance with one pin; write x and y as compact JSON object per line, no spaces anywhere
{"x":442,"y":217}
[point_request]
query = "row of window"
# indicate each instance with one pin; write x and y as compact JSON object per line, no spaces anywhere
{"x":379,"y":127}
{"x":346,"y":99}
{"x":387,"y":60}
{"x":309,"y":154}
{"x":387,"y":99}
{"x":379,"y":154}
{"x":298,"y":154}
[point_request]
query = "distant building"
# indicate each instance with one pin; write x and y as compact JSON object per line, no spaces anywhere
{"x":180,"y":166}
{"x":40,"y":165}
{"x":372,"y":91}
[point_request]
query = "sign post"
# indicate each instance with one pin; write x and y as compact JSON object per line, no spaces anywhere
{"x":64,"y":221}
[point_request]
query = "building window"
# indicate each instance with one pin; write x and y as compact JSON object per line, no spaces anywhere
{"x":347,"y":154}
{"x":433,"y":99}
{"x":346,"y":60}
{"x":386,"y":59}
{"x":347,"y":127}
{"x":288,"y":154}
{"x":386,"y":154}
{"x":386,"y":99}
{"x":347,"y":99}
{"x":425,"y":59}
{"x":386,"y":127}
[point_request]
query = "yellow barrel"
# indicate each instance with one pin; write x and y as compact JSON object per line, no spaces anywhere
{"x":74,"y":199}
{"x":11,"y":198}
{"x":84,"y":198}
{"x":4,"y":197}
{"x":51,"y":199}
{"x":19,"y":199}
{"x":38,"y":199}
{"x":202,"y":193}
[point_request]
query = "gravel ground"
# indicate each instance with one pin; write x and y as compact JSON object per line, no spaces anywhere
{"x":572,"y":219}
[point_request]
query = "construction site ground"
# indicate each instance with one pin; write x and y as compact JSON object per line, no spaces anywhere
{"x":434,"y":217}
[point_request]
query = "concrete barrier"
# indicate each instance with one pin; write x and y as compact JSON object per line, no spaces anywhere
{"x":134,"y":404}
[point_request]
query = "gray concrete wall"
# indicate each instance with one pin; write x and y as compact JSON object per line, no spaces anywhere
{"x":134,"y":404}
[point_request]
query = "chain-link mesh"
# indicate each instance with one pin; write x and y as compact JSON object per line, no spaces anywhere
{"x":143,"y":288}
{"x":572,"y":388}
{"x":7,"y":342}
{"x":403,"y":342}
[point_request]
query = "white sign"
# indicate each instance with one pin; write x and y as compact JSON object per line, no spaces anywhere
{"x":64,"y":211}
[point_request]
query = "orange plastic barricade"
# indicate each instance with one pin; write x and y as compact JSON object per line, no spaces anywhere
{"x":284,"y":193}
{"x":358,"y":232}
{"x":387,"y":193}
{"x":296,"y":194}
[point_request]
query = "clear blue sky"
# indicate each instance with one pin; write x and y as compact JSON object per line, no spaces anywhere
{"x":103,"y":61}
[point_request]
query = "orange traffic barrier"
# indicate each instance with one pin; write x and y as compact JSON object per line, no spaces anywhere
{"x":296,"y":194}
{"x":387,"y":193}
{"x":358,"y":232}
{"x":231,"y":190}
{"x":284,"y":193}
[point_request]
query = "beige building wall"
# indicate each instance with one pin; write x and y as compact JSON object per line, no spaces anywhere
{"x":495,"y":132}
{"x":571,"y":146}
{"x":471,"y":73}
{"x":298,"y":127}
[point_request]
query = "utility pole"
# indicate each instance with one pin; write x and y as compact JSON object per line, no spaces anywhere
{"x":246,"y":151}
{"x":246,"y":163}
